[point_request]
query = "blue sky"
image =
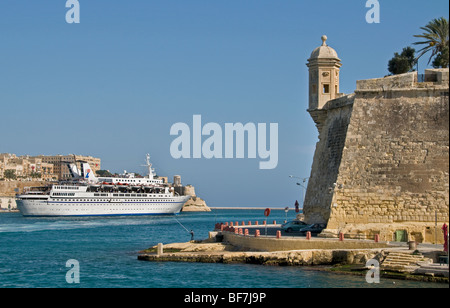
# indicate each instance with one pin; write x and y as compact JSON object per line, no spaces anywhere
{"x":113,"y":85}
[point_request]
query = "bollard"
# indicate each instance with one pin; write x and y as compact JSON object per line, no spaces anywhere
{"x":412,"y":245}
{"x":222,"y":227}
{"x":341,"y":236}
{"x":160,"y":249}
{"x":308,"y":235}
{"x":257,"y":233}
{"x":231,"y":224}
{"x":264,"y":222}
{"x":278,"y":234}
{"x":226,"y":224}
{"x":249,"y":223}
{"x":246,"y":232}
{"x":243,"y":223}
{"x":236,"y":230}
{"x":240,"y":231}
{"x":237,"y":223}
{"x":256,"y":223}
{"x":274,"y":222}
{"x":377,"y":238}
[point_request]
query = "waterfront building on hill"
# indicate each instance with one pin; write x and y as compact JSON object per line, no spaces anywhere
{"x":13,"y":167}
{"x":42,"y":167}
{"x":60,"y":163}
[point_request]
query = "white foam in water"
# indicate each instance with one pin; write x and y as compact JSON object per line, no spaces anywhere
{"x":45,"y":224}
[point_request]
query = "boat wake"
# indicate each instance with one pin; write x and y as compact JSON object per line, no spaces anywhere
{"x":48,"y":224}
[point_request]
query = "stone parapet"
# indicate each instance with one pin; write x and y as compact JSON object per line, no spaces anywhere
{"x":266,"y":243}
{"x":391,"y":82}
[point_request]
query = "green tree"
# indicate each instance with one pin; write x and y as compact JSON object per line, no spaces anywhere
{"x":435,"y":40}
{"x":402,"y":63}
{"x":441,"y":60}
{"x":10,"y":174}
{"x":36,"y":175}
{"x":104,"y":173}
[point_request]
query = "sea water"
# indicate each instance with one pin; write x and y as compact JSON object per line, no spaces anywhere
{"x":34,"y":252}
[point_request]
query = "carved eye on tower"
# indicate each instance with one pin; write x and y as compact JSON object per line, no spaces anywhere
{"x":325,"y":74}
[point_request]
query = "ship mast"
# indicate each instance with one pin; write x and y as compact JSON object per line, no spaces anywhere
{"x":149,"y":166}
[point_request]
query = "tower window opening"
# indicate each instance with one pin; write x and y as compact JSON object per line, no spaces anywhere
{"x":326,"y":88}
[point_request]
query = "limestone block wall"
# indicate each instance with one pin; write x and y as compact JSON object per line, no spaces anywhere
{"x":264,"y":243}
{"x":7,"y":187}
{"x":394,"y":165}
{"x":7,"y":203}
{"x":327,"y":159}
{"x":7,"y":193}
{"x":382,"y":160}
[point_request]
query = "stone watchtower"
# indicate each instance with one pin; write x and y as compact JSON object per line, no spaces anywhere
{"x":324,"y":65}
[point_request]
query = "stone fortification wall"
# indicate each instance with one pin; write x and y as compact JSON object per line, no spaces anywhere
{"x":327,"y":158}
{"x":7,"y":193}
{"x":7,"y":187}
{"x":395,"y":164}
{"x":194,"y":204}
{"x":393,"y":160}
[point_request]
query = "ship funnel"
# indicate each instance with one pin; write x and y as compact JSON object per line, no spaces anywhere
{"x":88,"y":173}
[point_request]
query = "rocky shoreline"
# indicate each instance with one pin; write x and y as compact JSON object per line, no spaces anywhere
{"x":226,"y":253}
{"x":339,"y":261}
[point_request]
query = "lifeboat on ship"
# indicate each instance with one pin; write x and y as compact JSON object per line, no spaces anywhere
{"x":107,"y":185}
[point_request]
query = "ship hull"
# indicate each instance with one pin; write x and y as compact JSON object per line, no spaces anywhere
{"x":48,"y":208}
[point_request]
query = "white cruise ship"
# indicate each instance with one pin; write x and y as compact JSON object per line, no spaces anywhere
{"x":87,"y":195}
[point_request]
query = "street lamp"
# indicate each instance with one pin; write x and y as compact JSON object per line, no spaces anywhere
{"x":303,"y":193}
{"x":303,"y":187}
{"x":297,"y":177}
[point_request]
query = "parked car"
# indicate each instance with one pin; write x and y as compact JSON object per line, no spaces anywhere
{"x":294,"y":225}
{"x":314,"y":229}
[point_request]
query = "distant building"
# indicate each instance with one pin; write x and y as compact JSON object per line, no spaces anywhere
{"x":43,"y":167}
{"x":25,"y":167}
{"x":60,"y":163}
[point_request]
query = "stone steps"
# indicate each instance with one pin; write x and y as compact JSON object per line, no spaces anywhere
{"x":433,"y":270}
{"x":403,"y":262}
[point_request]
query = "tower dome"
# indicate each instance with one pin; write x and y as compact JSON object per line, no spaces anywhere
{"x":324,"y":51}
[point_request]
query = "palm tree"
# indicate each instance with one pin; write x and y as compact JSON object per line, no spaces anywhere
{"x":435,"y":40}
